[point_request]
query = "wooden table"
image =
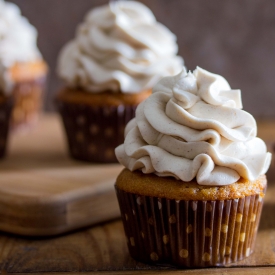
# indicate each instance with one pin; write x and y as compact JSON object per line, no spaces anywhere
{"x":101,"y":249}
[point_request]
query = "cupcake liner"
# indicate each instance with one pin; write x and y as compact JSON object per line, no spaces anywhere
{"x":94,"y":132}
{"x":5,"y":113}
{"x":189,"y":233}
{"x":28,"y":99}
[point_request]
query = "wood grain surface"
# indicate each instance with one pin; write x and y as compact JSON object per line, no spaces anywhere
{"x":44,"y":192}
{"x":220,"y":271}
{"x":102,"y":249}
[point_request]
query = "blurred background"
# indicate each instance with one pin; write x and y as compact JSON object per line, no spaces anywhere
{"x":233,"y":38}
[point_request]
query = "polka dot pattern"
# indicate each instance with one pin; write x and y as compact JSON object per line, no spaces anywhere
{"x":189,"y":229}
{"x":239,"y":217}
{"x":109,"y":132}
{"x":172,"y":219}
{"x":94,"y":132}
{"x":80,"y":137}
{"x":194,"y":205}
{"x":242,"y":237}
{"x":151,"y":221}
{"x":183,"y":253}
{"x":224,"y":228}
{"x":154,"y":256}
{"x":92,"y":149}
{"x":81,"y":120}
{"x":139,"y":201}
{"x":208,"y":232}
{"x":253,"y":218}
{"x":159,"y":205}
{"x":159,"y":226}
{"x":165,"y":239}
{"x":94,"y":129}
{"x":109,"y":153}
{"x":227,"y":250}
{"x":206,"y":257}
{"x":27,"y":103}
{"x":208,"y":207}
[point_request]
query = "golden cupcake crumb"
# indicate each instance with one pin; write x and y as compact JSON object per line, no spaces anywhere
{"x":170,"y":188}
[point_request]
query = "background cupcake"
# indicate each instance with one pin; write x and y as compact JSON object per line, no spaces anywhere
{"x":196,"y":193}
{"x":22,"y":70}
{"x":119,"y":53}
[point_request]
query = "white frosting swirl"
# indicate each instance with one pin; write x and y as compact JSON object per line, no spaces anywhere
{"x":17,"y":42}
{"x":119,"y":47}
{"x":193,"y":126}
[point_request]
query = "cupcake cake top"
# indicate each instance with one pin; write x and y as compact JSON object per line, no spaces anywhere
{"x":17,"y":41}
{"x":192,"y":126}
{"x":120,"y":47}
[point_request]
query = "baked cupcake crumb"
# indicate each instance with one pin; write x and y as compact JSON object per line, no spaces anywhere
{"x":171,"y":188}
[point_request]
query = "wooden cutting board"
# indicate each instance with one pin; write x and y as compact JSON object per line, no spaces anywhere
{"x":44,"y":192}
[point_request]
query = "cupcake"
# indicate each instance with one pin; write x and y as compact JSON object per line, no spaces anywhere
{"x":192,"y":191}
{"x":22,"y":70}
{"x":118,"y":55}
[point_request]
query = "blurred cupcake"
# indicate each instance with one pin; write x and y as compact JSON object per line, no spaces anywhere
{"x":193,"y":192}
{"x":119,"y":53}
{"x":22,"y":70}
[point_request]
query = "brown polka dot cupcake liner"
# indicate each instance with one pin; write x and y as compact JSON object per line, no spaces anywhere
{"x":28,"y":99}
{"x":189,"y":233}
{"x":94,"y":132}
{"x":5,"y":114}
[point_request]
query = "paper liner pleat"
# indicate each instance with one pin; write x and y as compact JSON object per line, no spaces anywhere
{"x":5,"y":113}
{"x":189,"y":233}
{"x":94,"y":132}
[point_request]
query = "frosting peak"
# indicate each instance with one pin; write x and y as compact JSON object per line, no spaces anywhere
{"x":119,"y":47}
{"x":193,"y":126}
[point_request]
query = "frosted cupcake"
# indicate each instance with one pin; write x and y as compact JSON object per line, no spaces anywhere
{"x":120,"y":51}
{"x":22,"y":70}
{"x":193,"y":190}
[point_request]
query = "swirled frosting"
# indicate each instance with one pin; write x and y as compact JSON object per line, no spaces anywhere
{"x":192,"y":126}
{"x":17,"y":42}
{"x":120,"y":48}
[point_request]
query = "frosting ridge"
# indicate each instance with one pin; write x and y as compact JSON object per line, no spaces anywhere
{"x":119,"y":47}
{"x":192,"y":126}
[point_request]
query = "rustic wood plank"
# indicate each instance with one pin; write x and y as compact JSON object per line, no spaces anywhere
{"x":220,"y":271}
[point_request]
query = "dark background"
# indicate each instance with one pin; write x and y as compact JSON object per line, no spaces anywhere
{"x":230,"y":37}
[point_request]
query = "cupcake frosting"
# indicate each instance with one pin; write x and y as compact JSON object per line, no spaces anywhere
{"x":17,"y":42}
{"x":120,"y":48}
{"x":192,"y":126}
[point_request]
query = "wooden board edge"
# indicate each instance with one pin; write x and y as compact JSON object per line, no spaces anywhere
{"x":64,"y":216}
